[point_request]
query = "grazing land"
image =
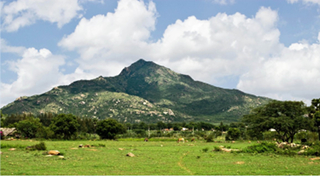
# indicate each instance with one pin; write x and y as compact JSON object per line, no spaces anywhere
{"x":156,"y":157}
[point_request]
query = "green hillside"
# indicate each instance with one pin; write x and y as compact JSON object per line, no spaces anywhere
{"x":143,"y":91}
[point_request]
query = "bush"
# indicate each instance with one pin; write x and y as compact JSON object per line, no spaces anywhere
{"x":314,"y":149}
{"x":210,"y":138}
{"x":40,"y":146}
{"x":261,"y":148}
{"x":140,"y":132}
{"x":205,"y":149}
{"x":216,"y":148}
{"x":233,"y":134}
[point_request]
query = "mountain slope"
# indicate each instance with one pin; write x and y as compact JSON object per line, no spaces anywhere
{"x":143,"y":91}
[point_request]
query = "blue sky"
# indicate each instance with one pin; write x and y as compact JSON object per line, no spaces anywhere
{"x":263,"y":47}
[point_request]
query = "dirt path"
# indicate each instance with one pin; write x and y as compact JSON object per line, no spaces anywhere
{"x":182,"y":166}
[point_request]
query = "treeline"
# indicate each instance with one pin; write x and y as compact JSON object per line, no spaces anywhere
{"x":50,"y":125}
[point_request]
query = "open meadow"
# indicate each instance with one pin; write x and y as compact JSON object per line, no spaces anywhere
{"x":151,"y":158}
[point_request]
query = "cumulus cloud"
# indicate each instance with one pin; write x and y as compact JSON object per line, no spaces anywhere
{"x":221,"y":46}
{"x":294,"y":74}
{"x":109,"y":42}
{"x":37,"y":71}
{"x":22,"y":13}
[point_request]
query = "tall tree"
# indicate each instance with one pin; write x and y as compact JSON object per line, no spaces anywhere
{"x":29,"y":127}
{"x":64,"y":125}
{"x":314,"y":114}
{"x":286,"y":117}
{"x":109,"y":128}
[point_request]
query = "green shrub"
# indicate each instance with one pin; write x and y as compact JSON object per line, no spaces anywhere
{"x":101,"y":145}
{"x":216,"y":148}
{"x":40,"y":146}
{"x":205,"y":149}
{"x":261,"y":148}
{"x":233,"y":134}
{"x":314,"y":149}
{"x":210,"y":138}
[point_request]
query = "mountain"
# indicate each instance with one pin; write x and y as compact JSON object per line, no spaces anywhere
{"x":145,"y":92}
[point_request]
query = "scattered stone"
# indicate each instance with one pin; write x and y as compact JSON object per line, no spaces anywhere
{"x":161,"y":145}
{"x":92,"y":149}
{"x":48,"y":155}
{"x":12,"y":149}
{"x":74,"y":148}
{"x":61,"y":157}
{"x":300,"y":152}
{"x":121,"y":148}
{"x":239,"y":162}
{"x":170,"y":112}
{"x":316,"y":158}
{"x":86,"y":146}
{"x":130,"y":154}
{"x":53,"y":152}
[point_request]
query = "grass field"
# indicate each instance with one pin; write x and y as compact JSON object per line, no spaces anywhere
{"x":151,"y":158}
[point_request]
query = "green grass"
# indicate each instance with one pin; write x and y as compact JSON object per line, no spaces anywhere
{"x":151,"y":158}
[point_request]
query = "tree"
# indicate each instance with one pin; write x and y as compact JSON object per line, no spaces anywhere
{"x":286,"y":117}
{"x":233,"y":134}
{"x":64,"y":126}
{"x":29,"y":127}
{"x":109,"y":128}
{"x":314,"y":114}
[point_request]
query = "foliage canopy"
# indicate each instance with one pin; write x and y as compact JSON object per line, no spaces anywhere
{"x":109,"y":128}
{"x":64,"y":126}
{"x":286,"y":117}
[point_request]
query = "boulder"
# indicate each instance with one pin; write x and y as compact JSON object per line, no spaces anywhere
{"x":53,"y":152}
{"x":130,"y":154}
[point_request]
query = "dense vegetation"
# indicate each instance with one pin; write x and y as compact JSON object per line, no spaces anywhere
{"x":144,"y":92}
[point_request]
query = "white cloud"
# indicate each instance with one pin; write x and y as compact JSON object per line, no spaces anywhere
{"x":110,"y":42}
{"x":11,"y":49}
{"x":294,"y":74}
{"x":224,"y":2}
{"x":308,"y":2}
{"x":22,"y":13}
{"x":37,"y":71}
